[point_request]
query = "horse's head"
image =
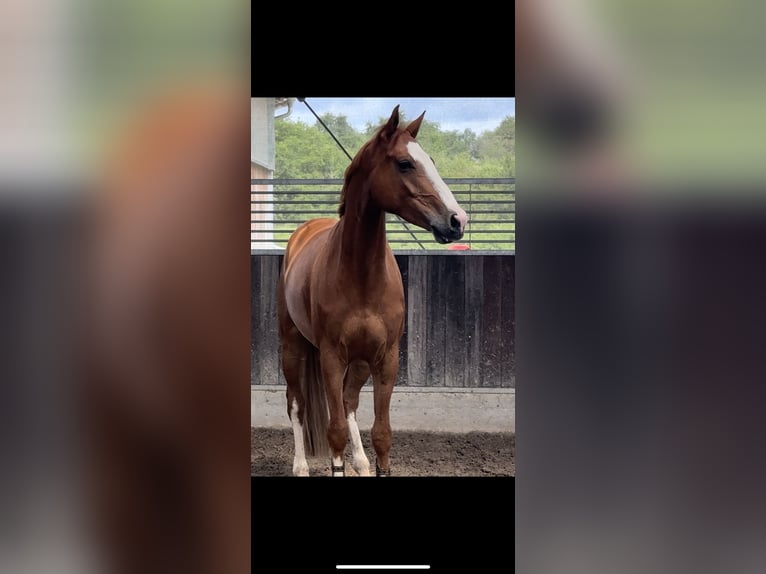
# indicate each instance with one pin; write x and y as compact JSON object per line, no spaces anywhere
{"x":404,"y":181}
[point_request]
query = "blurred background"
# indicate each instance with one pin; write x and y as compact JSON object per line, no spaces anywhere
{"x":677,"y":88}
{"x":124,"y":402}
{"x":640,"y":279}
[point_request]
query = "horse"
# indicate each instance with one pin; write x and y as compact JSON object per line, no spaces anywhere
{"x":340,"y":297}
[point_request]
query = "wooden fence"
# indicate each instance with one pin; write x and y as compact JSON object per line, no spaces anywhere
{"x":460,"y":326}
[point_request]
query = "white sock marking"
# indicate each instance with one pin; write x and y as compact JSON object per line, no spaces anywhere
{"x":337,"y":461}
{"x":420,"y":156}
{"x":360,"y":462}
{"x":300,"y":465}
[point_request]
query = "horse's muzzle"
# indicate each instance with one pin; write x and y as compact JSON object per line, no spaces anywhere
{"x":448,"y":233}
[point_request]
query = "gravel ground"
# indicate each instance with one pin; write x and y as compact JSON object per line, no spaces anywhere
{"x":412,"y":454}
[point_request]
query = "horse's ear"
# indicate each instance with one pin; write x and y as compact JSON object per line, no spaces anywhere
{"x":415,"y":125}
{"x":393,"y":122}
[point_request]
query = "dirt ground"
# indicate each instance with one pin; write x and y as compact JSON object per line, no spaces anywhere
{"x":412,"y":454}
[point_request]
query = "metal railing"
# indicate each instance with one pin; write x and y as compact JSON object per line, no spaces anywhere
{"x":278,"y":206}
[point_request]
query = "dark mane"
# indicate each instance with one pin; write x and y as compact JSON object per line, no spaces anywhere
{"x":353,"y":168}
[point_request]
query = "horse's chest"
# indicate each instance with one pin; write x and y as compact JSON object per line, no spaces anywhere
{"x":361,"y":305}
{"x":367,"y":335}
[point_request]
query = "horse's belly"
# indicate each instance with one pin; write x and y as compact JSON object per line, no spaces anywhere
{"x":296,"y":308}
{"x":302,"y":251}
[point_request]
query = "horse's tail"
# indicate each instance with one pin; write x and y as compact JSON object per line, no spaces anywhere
{"x":315,"y":414}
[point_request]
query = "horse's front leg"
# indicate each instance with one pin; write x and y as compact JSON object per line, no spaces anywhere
{"x":356,"y":376}
{"x":337,"y":431}
{"x":383,"y":379}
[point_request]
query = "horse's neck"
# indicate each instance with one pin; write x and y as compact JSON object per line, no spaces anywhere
{"x":363,"y":241}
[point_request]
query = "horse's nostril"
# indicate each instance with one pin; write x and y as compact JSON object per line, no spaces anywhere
{"x":454,"y":221}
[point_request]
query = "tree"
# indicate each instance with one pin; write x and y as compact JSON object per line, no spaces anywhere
{"x":499,"y":145}
{"x":351,"y":139}
{"x":305,"y":151}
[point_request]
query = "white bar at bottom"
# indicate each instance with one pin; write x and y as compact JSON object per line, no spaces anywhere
{"x":383,"y":567}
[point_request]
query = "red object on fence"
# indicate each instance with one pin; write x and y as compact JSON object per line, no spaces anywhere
{"x":459,"y":247}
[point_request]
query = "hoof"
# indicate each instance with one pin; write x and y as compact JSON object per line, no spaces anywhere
{"x":301,"y":469}
{"x":379,"y":472}
{"x":338,"y":470}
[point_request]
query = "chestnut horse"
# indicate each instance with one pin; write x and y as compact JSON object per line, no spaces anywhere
{"x":341,"y":299}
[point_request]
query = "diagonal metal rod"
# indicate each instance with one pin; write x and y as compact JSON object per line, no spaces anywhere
{"x":340,"y":145}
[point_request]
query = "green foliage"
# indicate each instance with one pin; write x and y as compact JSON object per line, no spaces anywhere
{"x":304,"y":151}
{"x":346,"y":134}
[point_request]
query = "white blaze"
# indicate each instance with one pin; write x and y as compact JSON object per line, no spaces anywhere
{"x":360,"y":462}
{"x":300,"y":466}
{"x":420,"y":156}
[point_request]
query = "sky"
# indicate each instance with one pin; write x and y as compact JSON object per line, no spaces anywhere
{"x":476,"y":114}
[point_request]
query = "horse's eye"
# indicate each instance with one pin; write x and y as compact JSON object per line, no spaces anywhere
{"x":405,"y":165}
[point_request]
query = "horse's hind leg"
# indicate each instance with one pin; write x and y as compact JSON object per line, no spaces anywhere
{"x":357,"y":374}
{"x":384,"y":378}
{"x":294,"y":352}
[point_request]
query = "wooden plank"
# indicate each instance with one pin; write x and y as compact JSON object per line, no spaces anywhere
{"x":255,"y":313}
{"x":277,"y":354}
{"x":417,"y":324}
{"x":474,"y":293}
{"x":264,"y":344}
{"x":491,"y":334}
{"x":508,"y":321}
{"x":281,"y":379}
{"x":403,"y":262}
{"x":435,"y":316}
{"x":268,"y":327}
{"x":455,"y":323}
